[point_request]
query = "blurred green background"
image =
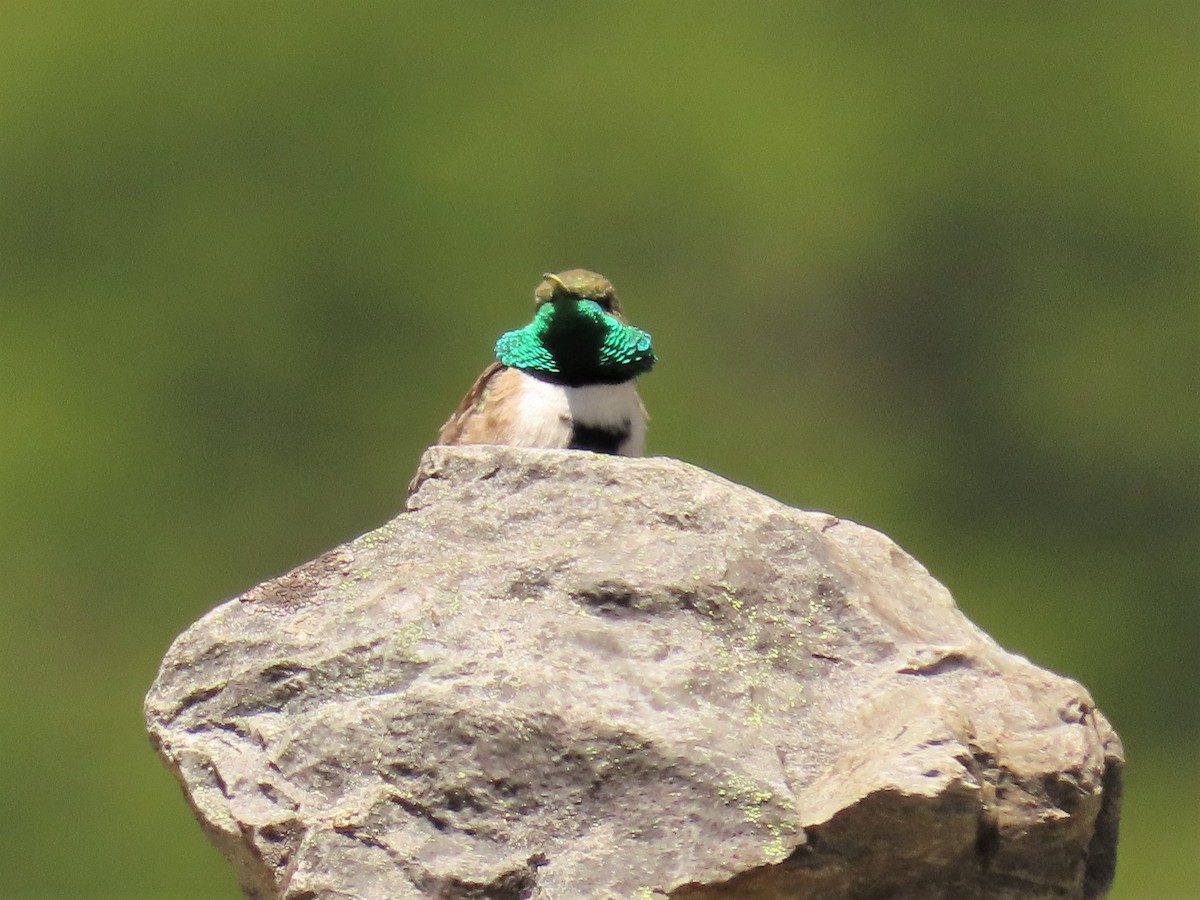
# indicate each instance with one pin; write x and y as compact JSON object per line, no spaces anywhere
{"x":929,"y":267}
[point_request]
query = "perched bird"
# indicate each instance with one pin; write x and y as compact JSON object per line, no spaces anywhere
{"x":565,"y":380}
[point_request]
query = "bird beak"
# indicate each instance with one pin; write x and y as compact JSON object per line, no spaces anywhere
{"x":557,"y":288}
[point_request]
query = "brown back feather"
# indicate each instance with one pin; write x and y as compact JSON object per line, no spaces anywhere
{"x":464,"y":423}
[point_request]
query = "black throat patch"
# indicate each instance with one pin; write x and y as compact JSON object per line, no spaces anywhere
{"x":598,"y":438}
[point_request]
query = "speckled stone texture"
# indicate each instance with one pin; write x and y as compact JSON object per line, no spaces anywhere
{"x":564,"y":675}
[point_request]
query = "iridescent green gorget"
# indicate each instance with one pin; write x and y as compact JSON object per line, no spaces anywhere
{"x":575,"y":342}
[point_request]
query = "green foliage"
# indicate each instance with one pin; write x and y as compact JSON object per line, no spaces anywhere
{"x":934,"y":269}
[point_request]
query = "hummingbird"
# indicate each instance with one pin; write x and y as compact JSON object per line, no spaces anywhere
{"x":565,"y":380}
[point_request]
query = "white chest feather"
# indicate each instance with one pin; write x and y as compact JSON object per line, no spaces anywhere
{"x":547,"y":415}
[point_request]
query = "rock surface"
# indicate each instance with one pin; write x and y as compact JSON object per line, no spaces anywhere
{"x":563,"y":675}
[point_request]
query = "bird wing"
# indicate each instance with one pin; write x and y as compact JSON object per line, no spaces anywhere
{"x":458,"y":427}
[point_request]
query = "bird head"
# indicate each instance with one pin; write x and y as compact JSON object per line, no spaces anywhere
{"x":578,"y":284}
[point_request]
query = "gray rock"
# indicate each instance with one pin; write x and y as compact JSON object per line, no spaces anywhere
{"x":563,"y":675}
